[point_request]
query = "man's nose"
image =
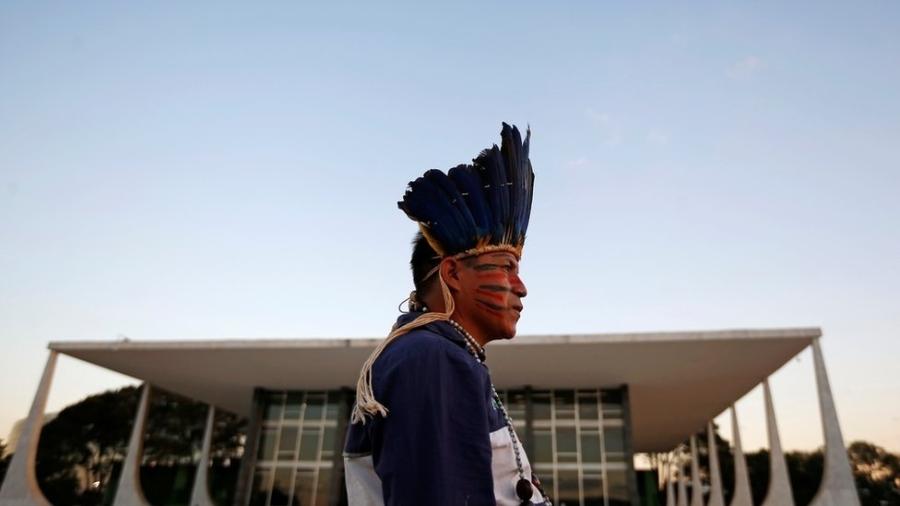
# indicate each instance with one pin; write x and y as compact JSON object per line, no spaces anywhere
{"x":518,"y":287}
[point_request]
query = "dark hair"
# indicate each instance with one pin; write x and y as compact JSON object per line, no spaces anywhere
{"x":423,"y":260}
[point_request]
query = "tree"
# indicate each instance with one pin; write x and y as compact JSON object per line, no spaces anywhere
{"x":877,"y":473}
{"x":4,"y":461}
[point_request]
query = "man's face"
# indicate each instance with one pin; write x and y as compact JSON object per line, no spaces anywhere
{"x":491,"y":293}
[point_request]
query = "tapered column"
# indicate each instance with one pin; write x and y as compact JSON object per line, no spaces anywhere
{"x":716,"y":497}
{"x":200,"y":492}
{"x":742,"y":495}
{"x":696,"y":487}
{"x":682,"y":485}
{"x":20,"y":487}
{"x":779,"y":493}
{"x":670,"y":489}
{"x":837,"y":487}
{"x":129,"y":492}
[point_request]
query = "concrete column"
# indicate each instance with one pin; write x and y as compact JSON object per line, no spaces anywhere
{"x":837,"y":487}
{"x":129,"y":492}
{"x":779,"y":493}
{"x":682,"y":484}
{"x":200,"y":492}
{"x":716,"y":497}
{"x":742,"y":495}
{"x":670,"y":490}
{"x":20,"y":487}
{"x":696,"y":486}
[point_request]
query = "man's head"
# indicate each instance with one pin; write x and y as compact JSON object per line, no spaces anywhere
{"x":487,"y":290}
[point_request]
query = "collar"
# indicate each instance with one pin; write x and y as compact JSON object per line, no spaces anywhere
{"x":441,"y":328}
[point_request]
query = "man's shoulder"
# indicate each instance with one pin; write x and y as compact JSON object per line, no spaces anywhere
{"x":419,"y":344}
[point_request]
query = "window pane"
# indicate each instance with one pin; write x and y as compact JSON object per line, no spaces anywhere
{"x":323,"y":488}
{"x":565,"y":440}
{"x":273,"y":407}
{"x":309,"y":444}
{"x":590,"y":446}
{"x":288,"y":443}
{"x":587,"y":408}
{"x":612,"y":404}
{"x":333,"y":408}
{"x":267,"y":444}
{"x":617,"y":487}
{"x":282,"y":487}
{"x":543,"y":446}
{"x":614,"y":439}
{"x":565,"y":404}
{"x":315,"y":405}
{"x":541,"y":406}
{"x":303,"y":487}
{"x":328,"y":443}
{"x":593,"y":490}
{"x":515,"y":405}
{"x":292,"y":406}
{"x":568,"y":488}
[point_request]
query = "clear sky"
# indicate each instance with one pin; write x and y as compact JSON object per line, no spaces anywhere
{"x":206,"y":170}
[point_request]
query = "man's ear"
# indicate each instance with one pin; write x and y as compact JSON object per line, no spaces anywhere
{"x":450,"y":272}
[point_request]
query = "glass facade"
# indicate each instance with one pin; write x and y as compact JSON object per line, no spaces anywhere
{"x":576,"y":442}
{"x":575,"y":439}
{"x":297,"y":449}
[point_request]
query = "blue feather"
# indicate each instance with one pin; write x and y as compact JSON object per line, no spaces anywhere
{"x":426,"y":203}
{"x":529,"y":184}
{"x":457,"y":212}
{"x":510,"y":147}
{"x":469,"y":184}
{"x":493,"y":178}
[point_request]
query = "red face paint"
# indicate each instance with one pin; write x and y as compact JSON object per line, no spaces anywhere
{"x":498,"y":298}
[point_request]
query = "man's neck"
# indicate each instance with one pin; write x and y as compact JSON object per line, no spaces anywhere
{"x":472,"y":329}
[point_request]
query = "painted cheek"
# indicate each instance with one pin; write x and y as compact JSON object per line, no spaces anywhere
{"x":489,"y":308}
{"x":495,"y":297}
{"x":491,"y":276}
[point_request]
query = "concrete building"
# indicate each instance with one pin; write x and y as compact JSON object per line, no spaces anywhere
{"x":582,"y":404}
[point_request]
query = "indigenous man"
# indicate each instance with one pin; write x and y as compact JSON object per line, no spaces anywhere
{"x":428,"y":426}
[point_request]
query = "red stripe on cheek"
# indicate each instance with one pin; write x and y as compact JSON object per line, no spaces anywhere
{"x":499,"y":297}
{"x":489,"y":309}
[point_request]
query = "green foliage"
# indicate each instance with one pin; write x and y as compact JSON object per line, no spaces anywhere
{"x":4,"y":460}
{"x":877,"y":473}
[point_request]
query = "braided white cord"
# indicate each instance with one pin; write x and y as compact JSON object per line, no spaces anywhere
{"x":366,"y":404}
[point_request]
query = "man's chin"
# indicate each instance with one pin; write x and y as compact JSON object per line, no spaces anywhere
{"x":507,"y":334}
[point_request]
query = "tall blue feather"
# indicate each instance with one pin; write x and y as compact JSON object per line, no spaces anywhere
{"x":494,"y":180}
{"x":529,"y":184}
{"x":468,"y":182}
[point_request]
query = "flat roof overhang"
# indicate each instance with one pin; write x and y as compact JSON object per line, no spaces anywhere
{"x":677,"y":381}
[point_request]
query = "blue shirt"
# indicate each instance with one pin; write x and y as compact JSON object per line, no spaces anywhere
{"x":444,"y":441}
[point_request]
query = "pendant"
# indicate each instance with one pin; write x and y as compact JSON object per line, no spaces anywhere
{"x":524,"y":490}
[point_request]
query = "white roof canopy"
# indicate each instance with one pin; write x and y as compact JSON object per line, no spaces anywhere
{"x":677,"y":380}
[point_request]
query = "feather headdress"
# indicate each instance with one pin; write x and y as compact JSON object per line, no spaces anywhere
{"x":478,"y":207}
{"x":471,"y":209}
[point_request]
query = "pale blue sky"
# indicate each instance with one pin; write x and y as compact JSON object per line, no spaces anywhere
{"x":212,"y":170}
